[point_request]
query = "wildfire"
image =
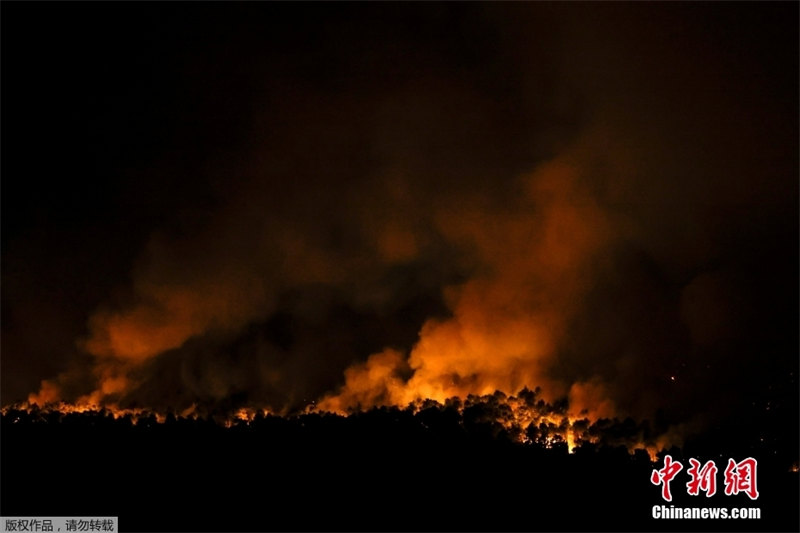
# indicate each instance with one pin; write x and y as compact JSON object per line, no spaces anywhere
{"x":527,"y":419}
{"x":82,"y":407}
{"x":507,"y":322}
{"x":524,"y":418}
{"x":244,"y":415}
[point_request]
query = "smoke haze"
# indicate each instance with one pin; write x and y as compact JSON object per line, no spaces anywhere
{"x":371,"y":206}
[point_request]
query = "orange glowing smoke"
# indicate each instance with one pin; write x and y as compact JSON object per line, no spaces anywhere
{"x":168,"y":314}
{"x":531,"y":260}
{"x":506,"y":322}
{"x":590,"y":400}
{"x":49,"y":393}
{"x":85,"y":405}
{"x":170,"y":306}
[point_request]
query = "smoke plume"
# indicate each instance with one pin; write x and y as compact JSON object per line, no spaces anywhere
{"x":514,"y":196}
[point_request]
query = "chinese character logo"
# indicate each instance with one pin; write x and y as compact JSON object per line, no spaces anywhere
{"x":704,"y":478}
{"x":664,"y":476}
{"x":738,"y":477}
{"x":741,"y":477}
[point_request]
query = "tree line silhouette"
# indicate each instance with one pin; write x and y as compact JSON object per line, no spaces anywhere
{"x":457,"y":466}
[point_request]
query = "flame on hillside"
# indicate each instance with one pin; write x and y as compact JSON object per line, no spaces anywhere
{"x":533,"y":261}
{"x":525,"y":419}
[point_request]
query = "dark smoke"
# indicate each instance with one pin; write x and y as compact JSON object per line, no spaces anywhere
{"x":330,"y":186}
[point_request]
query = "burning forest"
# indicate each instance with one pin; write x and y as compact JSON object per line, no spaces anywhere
{"x":496,"y":250}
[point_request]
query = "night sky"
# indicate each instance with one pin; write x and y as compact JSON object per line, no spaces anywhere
{"x":214,"y":206}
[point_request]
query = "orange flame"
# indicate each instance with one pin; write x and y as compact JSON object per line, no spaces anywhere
{"x":534,"y":262}
{"x":507,"y":322}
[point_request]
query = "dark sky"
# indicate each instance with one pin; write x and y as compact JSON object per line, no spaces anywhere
{"x":258,"y":203}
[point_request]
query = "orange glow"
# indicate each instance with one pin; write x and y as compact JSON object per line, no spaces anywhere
{"x":143,"y":331}
{"x":397,"y":243}
{"x":248,"y":414}
{"x":518,"y":416}
{"x":507,"y":321}
{"x":533,"y":265}
{"x":84,"y":406}
{"x":652,"y":451}
{"x":590,"y":400}
{"x":371,"y":383}
{"x":190,"y":411}
{"x":49,"y":393}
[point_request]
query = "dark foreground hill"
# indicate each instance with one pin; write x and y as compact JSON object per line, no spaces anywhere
{"x":383,"y":470}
